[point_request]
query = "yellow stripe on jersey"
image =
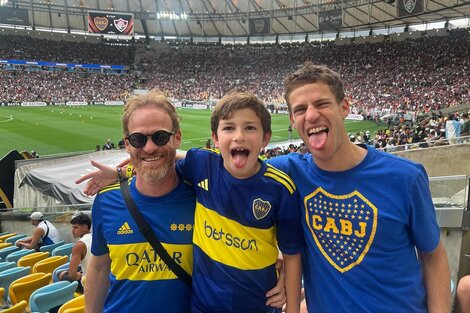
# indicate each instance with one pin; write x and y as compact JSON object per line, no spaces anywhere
{"x":281,"y":177}
{"x":109,"y":187}
{"x":216,"y":151}
{"x":231,"y":243}
{"x":138,"y":261}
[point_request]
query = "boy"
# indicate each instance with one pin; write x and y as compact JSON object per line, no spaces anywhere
{"x":244,"y":208}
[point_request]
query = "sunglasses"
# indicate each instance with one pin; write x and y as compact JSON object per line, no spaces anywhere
{"x":160,"y":138}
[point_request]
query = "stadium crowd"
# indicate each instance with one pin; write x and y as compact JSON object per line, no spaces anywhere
{"x":410,"y":76}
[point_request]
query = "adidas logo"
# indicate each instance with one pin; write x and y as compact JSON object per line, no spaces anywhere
{"x":204,"y":184}
{"x":125,"y":229}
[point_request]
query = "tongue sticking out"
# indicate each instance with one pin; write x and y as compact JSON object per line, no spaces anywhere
{"x":240,"y":158}
{"x":318,"y":140}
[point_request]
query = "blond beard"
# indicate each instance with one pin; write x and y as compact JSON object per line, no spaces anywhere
{"x":150,"y":172}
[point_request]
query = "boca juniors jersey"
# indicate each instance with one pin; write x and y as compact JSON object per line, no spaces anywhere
{"x":139,"y":280}
{"x":239,"y":224}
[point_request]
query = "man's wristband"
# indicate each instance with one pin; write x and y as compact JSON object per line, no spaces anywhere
{"x":119,"y":174}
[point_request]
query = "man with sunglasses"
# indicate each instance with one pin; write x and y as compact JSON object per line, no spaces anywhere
{"x":125,"y":274}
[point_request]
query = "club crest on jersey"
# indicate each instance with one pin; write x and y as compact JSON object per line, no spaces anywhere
{"x":261,"y":208}
{"x":101,"y":23}
{"x":342,"y":226}
{"x":121,"y":24}
{"x":409,"y":5}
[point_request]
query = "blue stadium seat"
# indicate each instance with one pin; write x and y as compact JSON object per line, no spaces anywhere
{"x":50,"y":248}
{"x":15,"y":256}
{"x":13,"y":239}
{"x":6,"y":251}
{"x":10,"y":275}
{"x":50,"y":296}
{"x":65,"y":249}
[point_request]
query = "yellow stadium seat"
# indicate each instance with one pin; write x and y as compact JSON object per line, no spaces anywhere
{"x":6,"y":236}
{"x":18,"y":308}
{"x":76,"y":305}
{"x":31,"y":259}
{"x":49,"y":265}
{"x":2,"y":293}
{"x":22,"y":288}
{"x":4,"y":245}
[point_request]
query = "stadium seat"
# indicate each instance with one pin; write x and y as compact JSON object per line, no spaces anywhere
{"x":2,"y":293}
{"x":13,"y":239}
{"x":6,"y":251}
{"x":22,"y":288}
{"x":4,"y":245}
{"x":50,"y":296}
{"x":18,"y":308}
{"x":10,"y":275}
{"x":31,"y":259}
{"x":4,"y":233}
{"x":15,"y":256}
{"x":55,"y":273}
{"x":76,"y":305}
{"x":50,"y":248}
{"x":6,"y":265}
{"x":65,"y":249}
{"x":6,"y":236}
{"x":50,"y":264}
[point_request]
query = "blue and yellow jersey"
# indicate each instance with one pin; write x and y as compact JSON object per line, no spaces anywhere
{"x":239,"y":225}
{"x":139,"y":279}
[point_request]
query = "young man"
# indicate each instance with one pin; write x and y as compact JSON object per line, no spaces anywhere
{"x":139,"y":279}
{"x":372,"y":237}
{"x":244,"y":210}
{"x":44,"y":234}
{"x":81,"y":254}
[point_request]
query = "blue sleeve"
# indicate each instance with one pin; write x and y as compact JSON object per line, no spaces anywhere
{"x":423,"y":222}
{"x":280,"y":162}
{"x":185,"y":167}
{"x":98,"y":242}
{"x":289,"y":229}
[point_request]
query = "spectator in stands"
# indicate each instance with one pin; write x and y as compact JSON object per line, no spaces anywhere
{"x":463,"y":294}
{"x":465,"y":131}
{"x":98,"y":148}
{"x":34,"y":154}
{"x":109,"y":145}
{"x":44,"y":233}
{"x":453,"y":127}
{"x":81,"y":228}
{"x":121,"y":144}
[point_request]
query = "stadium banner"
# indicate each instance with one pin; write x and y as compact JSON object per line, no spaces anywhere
{"x":14,"y":16}
{"x":33,"y":104}
{"x":355,"y":117}
{"x":114,"y":103}
{"x":69,"y":65}
{"x":76,"y":103}
{"x":330,"y":19}
{"x":409,"y":7}
{"x":110,"y":23}
{"x":260,"y":26}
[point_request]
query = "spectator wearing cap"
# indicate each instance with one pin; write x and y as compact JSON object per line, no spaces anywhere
{"x":44,"y":234}
{"x":81,"y":251}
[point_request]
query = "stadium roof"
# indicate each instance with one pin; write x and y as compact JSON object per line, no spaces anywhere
{"x":206,"y":18}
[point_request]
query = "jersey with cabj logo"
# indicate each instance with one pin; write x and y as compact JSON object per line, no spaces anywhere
{"x":239,"y":224}
{"x":362,"y":228}
{"x":139,"y":280}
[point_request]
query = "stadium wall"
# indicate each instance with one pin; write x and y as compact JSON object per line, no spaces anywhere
{"x":447,"y":161}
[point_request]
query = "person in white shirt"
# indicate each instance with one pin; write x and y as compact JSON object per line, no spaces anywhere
{"x":44,"y":234}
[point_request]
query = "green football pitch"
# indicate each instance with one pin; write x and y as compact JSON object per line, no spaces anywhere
{"x":65,"y":129}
